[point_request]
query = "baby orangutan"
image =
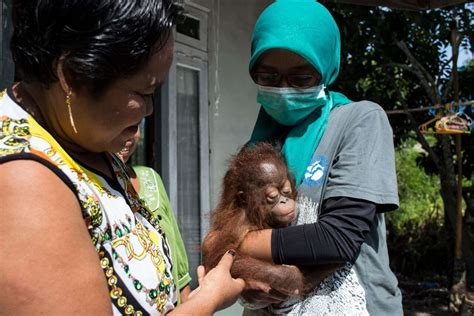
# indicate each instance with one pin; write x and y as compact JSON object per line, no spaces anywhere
{"x":258,"y":193}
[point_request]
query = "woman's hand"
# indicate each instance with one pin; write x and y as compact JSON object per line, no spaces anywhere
{"x":217,"y":289}
{"x":260,"y":293}
{"x":184,"y":293}
{"x":218,"y":285}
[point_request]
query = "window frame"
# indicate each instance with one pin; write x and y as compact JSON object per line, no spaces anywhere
{"x":167,"y":146}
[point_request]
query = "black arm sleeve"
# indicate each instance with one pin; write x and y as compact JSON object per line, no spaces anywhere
{"x":335,"y":238}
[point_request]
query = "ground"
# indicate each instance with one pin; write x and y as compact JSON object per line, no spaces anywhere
{"x":423,"y":298}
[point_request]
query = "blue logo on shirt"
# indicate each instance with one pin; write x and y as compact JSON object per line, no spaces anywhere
{"x":316,"y":171}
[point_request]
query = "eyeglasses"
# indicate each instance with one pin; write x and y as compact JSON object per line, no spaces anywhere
{"x":273,"y":79}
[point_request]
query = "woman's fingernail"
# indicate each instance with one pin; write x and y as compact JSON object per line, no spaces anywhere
{"x":231,"y":252}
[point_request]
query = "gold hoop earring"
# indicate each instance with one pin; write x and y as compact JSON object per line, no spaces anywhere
{"x":68,"y":103}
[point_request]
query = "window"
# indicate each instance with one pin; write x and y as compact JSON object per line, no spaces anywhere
{"x":176,"y":139}
{"x":184,"y":150}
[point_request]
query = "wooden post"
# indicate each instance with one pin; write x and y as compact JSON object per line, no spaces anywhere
{"x":459,"y":217}
{"x":455,"y":41}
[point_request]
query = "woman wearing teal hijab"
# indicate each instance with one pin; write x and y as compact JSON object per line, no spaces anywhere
{"x":342,"y":158}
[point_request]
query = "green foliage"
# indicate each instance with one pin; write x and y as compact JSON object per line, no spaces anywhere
{"x":416,"y":243}
{"x":374,"y":68}
{"x":401,"y":60}
{"x":420,"y":200}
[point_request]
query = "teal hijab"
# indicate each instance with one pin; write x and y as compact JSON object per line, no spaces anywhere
{"x":304,"y":27}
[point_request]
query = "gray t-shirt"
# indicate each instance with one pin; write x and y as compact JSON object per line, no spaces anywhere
{"x":363,"y":167}
{"x":364,"y":163}
{"x":356,"y":157}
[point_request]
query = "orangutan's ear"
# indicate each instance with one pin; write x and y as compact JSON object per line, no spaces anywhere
{"x":241,"y":197}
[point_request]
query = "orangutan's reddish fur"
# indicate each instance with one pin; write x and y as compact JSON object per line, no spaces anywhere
{"x":241,"y":209}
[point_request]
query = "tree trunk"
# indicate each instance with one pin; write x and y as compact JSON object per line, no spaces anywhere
{"x":468,"y":236}
{"x":447,"y":175}
{"x":448,"y":181}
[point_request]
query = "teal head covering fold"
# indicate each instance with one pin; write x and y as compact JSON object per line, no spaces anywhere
{"x":306,"y":28}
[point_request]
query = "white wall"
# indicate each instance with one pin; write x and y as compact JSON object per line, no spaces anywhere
{"x":233,"y":109}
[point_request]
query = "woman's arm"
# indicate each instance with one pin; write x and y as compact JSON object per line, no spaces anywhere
{"x":49,"y":265}
{"x":258,"y":244}
{"x":335,"y":238}
{"x":185,"y":291}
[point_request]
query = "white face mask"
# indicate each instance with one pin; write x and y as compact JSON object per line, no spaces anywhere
{"x":290,"y":106}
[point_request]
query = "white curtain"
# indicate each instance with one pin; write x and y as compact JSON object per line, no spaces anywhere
{"x":187,"y":81}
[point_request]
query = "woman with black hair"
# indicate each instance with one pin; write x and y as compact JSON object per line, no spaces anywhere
{"x":75,"y":237}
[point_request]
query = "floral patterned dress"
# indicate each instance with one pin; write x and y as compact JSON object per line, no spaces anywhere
{"x":134,"y":255}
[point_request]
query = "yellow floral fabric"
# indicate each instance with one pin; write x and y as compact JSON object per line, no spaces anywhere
{"x":134,"y":253}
